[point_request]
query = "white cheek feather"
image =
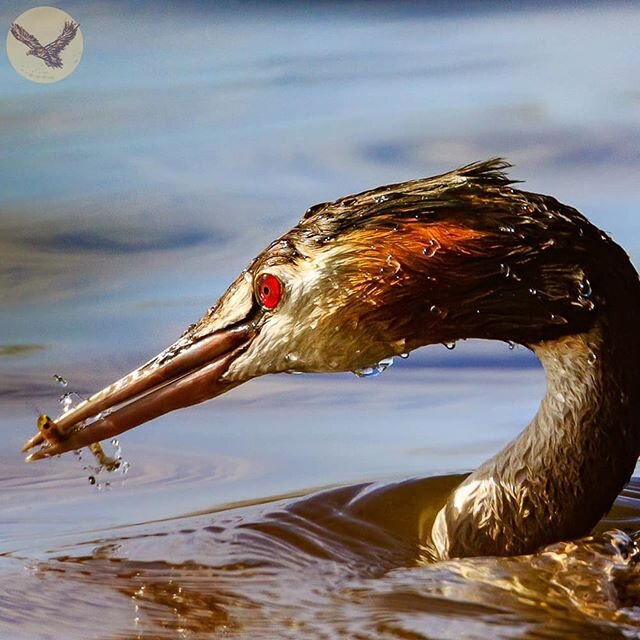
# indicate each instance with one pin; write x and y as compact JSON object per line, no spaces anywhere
{"x":278,"y":347}
{"x":309,"y":272}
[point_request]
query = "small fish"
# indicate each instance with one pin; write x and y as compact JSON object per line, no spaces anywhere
{"x":109,"y":463}
{"x":53,"y":434}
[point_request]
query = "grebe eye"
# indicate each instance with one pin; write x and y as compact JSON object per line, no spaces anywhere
{"x":269,"y":290}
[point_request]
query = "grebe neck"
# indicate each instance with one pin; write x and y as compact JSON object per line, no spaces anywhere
{"x":563,"y":472}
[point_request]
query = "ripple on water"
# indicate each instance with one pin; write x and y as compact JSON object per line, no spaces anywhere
{"x":317,"y":567}
{"x":48,"y":504}
{"x":154,"y":468}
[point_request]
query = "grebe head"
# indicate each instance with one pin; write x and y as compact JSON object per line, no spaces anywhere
{"x":383,"y":272}
{"x":372,"y":275}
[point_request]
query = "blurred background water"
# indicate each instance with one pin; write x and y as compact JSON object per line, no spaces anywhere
{"x":191,"y":135}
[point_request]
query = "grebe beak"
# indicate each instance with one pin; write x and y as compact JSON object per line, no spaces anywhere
{"x":188,"y":372}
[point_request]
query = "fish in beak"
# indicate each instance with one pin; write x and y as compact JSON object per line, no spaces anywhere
{"x":188,"y":372}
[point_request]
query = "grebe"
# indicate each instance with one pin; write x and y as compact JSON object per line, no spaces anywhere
{"x":383,"y":272}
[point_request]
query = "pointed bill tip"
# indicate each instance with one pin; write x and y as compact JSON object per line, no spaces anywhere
{"x":187,"y":373}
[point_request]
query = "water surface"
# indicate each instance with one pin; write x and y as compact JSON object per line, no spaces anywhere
{"x":134,"y":191}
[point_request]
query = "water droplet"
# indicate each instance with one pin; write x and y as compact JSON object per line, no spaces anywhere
{"x":512,"y":345}
{"x":450,"y":345}
{"x":291,"y":357}
{"x":92,"y":480}
{"x":374,"y":370}
{"x":506,"y":229}
{"x":431,"y":248}
{"x":392,"y":262}
{"x":380,"y":199}
{"x":585,"y":288}
{"x":533,"y":291}
{"x":60,"y":380}
{"x":404,"y":356}
{"x":66,"y":401}
{"x":505,"y":270}
{"x":592,"y":357}
{"x":557,"y":319}
{"x":437,"y":311}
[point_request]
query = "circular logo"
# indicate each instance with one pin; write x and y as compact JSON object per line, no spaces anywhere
{"x":44,"y":44}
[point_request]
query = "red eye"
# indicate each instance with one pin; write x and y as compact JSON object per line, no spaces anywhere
{"x":269,"y":290}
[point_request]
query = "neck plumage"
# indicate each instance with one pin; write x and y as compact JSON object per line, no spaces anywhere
{"x":563,"y":472}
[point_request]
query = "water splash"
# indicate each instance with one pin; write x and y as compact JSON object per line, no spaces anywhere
{"x":66,"y":401}
{"x":97,"y":470}
{"x":100,"y":463}
{"x":374,"y":370}
{"x":60,"y":380}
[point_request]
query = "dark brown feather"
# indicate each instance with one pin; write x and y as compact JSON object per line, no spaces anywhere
{"x":508,"y":265}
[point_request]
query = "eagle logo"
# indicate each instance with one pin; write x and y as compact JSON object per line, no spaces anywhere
{"x":50,"y":53}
